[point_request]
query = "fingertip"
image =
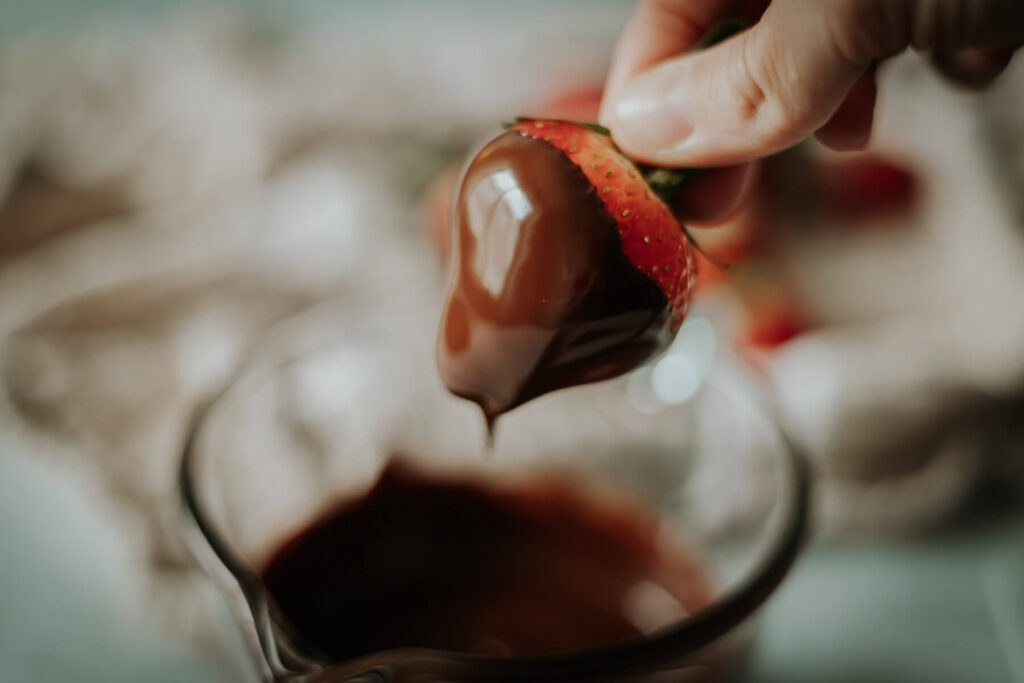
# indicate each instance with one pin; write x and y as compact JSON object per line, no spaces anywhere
{"x":737,"y":101}
{"x":973,"y":68}
{"x":657,"y":30}
{"x":649,"y":116}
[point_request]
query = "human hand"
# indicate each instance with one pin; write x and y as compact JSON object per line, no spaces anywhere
{"x":804,"y":68}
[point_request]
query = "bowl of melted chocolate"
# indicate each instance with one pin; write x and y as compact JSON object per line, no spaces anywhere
{"x":365,"y":524}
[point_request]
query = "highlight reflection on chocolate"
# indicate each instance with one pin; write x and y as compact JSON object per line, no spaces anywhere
{"x":541,"y":296}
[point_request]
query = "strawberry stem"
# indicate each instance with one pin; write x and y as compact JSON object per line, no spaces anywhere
{"x":722,"y":31}
{"x":667,"y":183}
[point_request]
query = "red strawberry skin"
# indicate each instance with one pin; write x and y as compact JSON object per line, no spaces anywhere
{"x":651,"y":237}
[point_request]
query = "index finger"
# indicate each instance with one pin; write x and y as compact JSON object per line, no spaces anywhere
{"x":656,"y":31}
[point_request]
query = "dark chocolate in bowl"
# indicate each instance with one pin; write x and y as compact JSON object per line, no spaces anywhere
{"x":468,"y":565}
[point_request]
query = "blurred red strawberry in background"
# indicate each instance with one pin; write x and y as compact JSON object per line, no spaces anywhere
{"x":867,"y":186}
{"x":573,"y":105}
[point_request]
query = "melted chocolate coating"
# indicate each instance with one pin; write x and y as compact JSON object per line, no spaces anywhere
{"x":541,"y":296}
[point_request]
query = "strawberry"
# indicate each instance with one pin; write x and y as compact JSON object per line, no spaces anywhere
{"x":769,"y":329}
{"x":567,"y":266}
{"x":651,"y":237}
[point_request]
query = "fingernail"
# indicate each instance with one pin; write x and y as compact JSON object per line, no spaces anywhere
{"x":653,"y":112}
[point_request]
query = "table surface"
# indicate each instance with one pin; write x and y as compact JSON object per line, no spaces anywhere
{"x":945,"y":608}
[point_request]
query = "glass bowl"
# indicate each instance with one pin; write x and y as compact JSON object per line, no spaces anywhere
{"x":332,"y":398}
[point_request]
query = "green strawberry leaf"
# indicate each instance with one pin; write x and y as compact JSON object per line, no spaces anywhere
{"x":667,"y":183}
{"x":720,"y":32}
{"x":596,"y":127}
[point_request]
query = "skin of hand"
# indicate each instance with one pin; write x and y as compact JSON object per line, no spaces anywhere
{"x":805,"y":67}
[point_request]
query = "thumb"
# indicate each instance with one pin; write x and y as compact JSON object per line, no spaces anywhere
{"x":755,"y":94}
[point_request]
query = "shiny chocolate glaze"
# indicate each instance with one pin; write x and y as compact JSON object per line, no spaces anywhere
{"x":541,"y":296}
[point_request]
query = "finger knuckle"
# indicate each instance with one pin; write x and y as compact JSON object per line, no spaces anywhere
{"x":759,"y":87}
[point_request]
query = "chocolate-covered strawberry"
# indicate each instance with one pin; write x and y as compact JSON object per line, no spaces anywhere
{"x":567,"y":266}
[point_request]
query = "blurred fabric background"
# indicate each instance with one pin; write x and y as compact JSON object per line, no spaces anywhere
{"x":176,"y":179}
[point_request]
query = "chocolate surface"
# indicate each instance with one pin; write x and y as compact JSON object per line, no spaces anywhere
{"x":459,"y":564}
{"x":541,"y":296}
